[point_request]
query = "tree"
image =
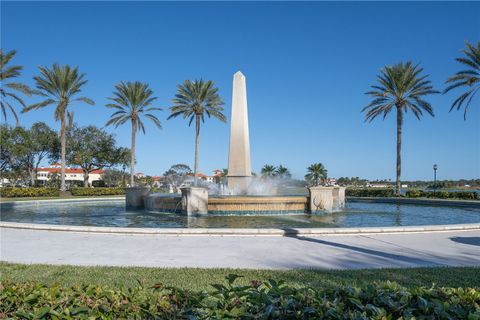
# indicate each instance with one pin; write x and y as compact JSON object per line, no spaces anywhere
{"x":400,"y":88}
{"x":193,"y":101}
{"x":268,"y":171}
{"x":5,"y":148}
{"x":132,"y":100}
{"x":316,"y":174}
{"x":468,"y":78}
{"x":283,"y":172}
{"x":7,"y":73}
{"x":176,"y":175}
{"x":114,"y":177}
{"x":222,"y":178}
{"x":24,"y":149}
{"x":92,"y":149}
{"x":44,"y":144}
{"x":61,"y":86}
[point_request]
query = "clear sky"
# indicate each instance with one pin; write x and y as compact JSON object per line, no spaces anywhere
{"x":307,"y":66}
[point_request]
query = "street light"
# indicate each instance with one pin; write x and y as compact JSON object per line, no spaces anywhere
{"x":435,"y":167}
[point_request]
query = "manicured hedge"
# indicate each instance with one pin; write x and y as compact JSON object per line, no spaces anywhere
{"x":29,"y":192}
{"x":370,"y":192}
{"x":464,"y":195}
{"x":259,"y":300}
{"x":97,"y":191}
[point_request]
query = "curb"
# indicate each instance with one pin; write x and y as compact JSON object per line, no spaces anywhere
{"x":241,"y":232}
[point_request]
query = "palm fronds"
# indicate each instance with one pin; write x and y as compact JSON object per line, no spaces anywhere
{"x":468,"y":78}
{"x":9,"y":96}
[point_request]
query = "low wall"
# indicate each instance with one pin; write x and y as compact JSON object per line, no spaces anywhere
{"x":163,"y":202}
{"x":247,"y":204}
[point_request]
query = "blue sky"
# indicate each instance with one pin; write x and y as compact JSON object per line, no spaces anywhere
{"x":307,"y":65}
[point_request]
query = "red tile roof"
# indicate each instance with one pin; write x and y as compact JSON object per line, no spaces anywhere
{"x":67,"y":170}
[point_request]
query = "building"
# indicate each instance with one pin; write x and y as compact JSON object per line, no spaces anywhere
{"x":71,"y":174}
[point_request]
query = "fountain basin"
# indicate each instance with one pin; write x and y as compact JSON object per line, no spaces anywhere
{"x":258,"y":204}
{"x":195,"y":200}
{"x":157,"y":202}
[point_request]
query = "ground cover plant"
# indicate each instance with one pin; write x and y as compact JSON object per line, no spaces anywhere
{"x":28,"y":192}
{"x":258,"y":300}
{"x":101,"y":191}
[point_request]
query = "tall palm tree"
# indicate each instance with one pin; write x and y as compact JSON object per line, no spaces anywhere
{"x":283,"y":172}
{"x":132,"y":100}
{"x":316,"y":174}
{"x":7,"y":73}
{"x":60,"y":85}
{"x":194,"y":100}
{"x":401,"y":87}
{"x":468,"y":78}
{"x":268,"y":171}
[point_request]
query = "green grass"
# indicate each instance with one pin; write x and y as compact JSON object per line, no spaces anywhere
{"x":201,"y":279}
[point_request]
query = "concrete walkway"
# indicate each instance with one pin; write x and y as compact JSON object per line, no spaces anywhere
{"x":455,"y":248}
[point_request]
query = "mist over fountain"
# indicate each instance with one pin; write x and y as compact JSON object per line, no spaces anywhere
{"x":243,"y":193}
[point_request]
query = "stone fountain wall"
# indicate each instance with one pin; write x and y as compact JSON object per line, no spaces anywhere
{"x":195,"y":200}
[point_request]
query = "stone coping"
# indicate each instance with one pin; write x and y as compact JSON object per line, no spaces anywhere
{"x":241,"y":232}
{"x":419,"y":201}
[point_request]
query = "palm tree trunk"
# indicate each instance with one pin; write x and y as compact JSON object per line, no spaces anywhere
{"x":85,"y":179}
{"x":32,"y":178}
{"x":197,"y":141}
{"x":132,"y":154}
{"x":399,"y":149}
{"x":63,"y":141}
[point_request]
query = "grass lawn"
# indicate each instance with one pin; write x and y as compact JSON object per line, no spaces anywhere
{"x":198,"y":279}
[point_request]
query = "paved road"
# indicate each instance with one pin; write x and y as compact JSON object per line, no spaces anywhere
{"x":459,"y":248}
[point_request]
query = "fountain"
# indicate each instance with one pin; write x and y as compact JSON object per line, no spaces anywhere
{"x":241,"y":195}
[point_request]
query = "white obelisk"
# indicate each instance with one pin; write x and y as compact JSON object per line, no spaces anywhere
{"x":239,"y":165}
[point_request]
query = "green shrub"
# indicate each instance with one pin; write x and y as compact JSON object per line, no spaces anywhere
{"x":259,"y":300}
{"x":97,"y":191}
{"x":414,"y":193}
{"x":29,"y":192}
{"x":463,"y":195}
{"x":370,"y":192}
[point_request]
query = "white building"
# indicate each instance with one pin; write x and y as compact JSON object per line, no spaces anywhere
{"x":71,"y":174}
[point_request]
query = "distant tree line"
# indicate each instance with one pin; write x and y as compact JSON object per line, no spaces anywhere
{"x":23,"y":150}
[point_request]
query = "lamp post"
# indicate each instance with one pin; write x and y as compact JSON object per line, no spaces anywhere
{"x":435,"y":167}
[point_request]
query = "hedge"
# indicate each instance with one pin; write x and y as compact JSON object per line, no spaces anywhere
{"x":464,"y":195}
{"x":259,"y":300}
{"x":29,"y":192}
{"x":370,"y":192}
{"x":96,"y":191}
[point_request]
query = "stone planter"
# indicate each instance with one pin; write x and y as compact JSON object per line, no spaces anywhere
{"x":194,"y":200}
{"x":134,"y":197}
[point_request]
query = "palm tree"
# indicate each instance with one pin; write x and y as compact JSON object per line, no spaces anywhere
{"x":132,"y":100}
{"x":468,"y":78}
{"x":401,"y":87}
{"x":268,"y":171}
{"x":316,"y":174}
{"x":194,"y":100}
{"x":9,"y":72}
{"x":283,"y":172}
{"x":61,"y":84}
